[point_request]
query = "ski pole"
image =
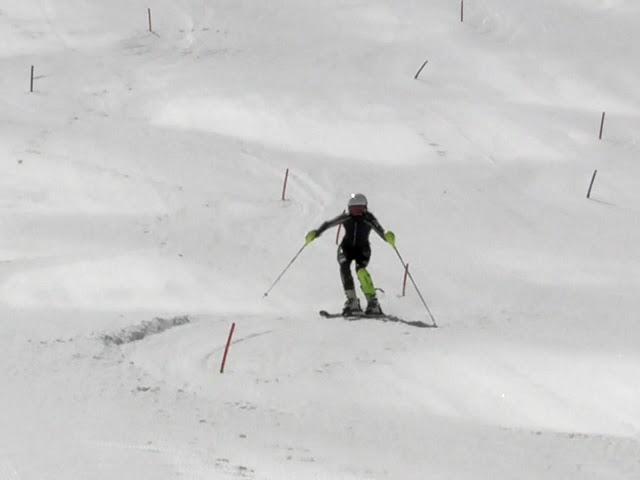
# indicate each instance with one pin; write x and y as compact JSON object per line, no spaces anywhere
{"x":285,"y":269}
{"x":404,"y":265}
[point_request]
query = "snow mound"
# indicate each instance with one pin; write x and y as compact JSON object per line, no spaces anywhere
{"x":143,"y":330}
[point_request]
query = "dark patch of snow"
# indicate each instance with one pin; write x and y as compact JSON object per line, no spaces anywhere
{"x":143,"y":330}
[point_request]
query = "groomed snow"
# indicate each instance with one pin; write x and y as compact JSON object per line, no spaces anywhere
{"x":140,"y":201}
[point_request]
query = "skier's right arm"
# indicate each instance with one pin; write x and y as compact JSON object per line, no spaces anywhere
{"x":313,"y":234}
{"x":339,"y":220}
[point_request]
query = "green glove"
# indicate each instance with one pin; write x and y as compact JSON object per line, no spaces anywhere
{"x":390,"y":237}
{"x":311,"y":236}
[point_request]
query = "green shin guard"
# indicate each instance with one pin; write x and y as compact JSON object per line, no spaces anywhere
{"x":366,"y":284}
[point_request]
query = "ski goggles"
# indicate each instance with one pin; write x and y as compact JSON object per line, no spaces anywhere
{"x":357,"y":210}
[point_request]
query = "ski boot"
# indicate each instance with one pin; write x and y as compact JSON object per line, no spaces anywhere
{"x":373,"y":307}
{"x":352,"y":305}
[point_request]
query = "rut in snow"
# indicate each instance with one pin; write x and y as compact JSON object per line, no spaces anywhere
{"x":144,"y":329}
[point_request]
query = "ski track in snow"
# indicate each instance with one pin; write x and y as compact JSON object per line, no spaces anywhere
{"x":7,"y":469}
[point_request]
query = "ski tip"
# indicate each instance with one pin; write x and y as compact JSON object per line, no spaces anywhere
{"x":326,"y":314}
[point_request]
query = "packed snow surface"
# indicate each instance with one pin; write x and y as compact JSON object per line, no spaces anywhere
{"x":141,"y":216}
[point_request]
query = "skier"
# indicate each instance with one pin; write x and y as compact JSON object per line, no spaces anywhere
{"x":357,"y":223}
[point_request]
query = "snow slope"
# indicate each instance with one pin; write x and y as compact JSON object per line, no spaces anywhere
{"x":141,"y":180}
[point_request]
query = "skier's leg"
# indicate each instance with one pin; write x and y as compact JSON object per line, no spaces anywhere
{"x":366,"y":282}
{"x":352,"y":303}
{"x":362,"y":257}
{"x":345,"y":270}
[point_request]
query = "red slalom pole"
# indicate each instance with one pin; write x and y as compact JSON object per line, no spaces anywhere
{"x":226,"y":349}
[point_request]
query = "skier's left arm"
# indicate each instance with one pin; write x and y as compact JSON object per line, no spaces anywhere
{"x":388,"y":236}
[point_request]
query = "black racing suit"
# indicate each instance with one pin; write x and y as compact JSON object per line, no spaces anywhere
{"x":355,"y":243}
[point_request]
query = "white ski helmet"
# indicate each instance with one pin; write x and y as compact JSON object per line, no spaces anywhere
{"x":357,"y":204}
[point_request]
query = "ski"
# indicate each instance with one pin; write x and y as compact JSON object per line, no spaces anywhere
{"x":382,"y":317}
{"x":326,"y":314}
